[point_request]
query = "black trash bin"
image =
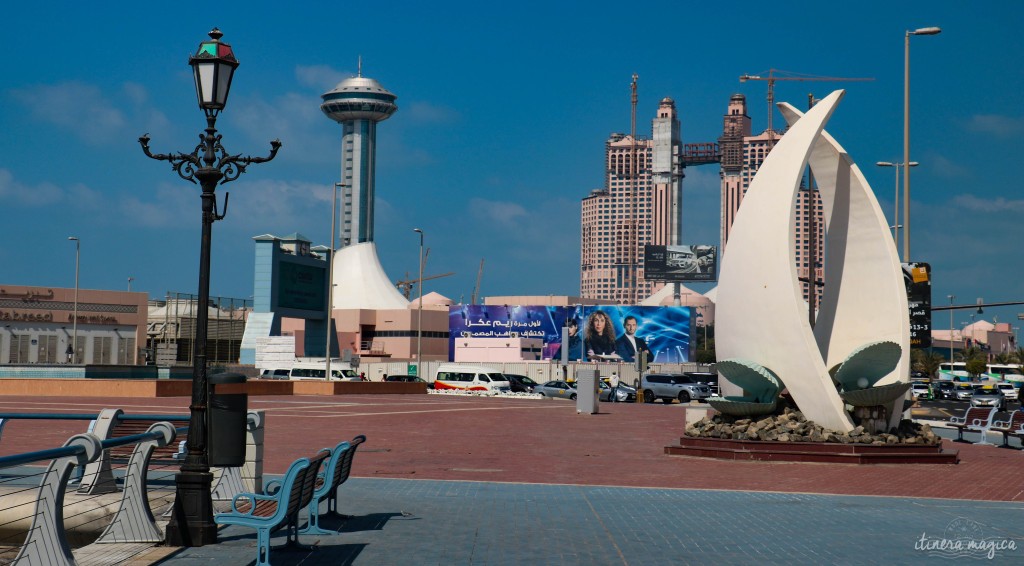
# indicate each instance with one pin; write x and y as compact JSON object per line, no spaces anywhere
{"x":226,"y":438}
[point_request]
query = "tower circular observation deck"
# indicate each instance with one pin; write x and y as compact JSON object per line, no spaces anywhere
{"x":358,"y":98}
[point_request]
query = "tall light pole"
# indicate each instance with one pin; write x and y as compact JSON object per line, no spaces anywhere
{"x":951,"y":297}
{"x":906,"y":135}
{"x":73,"y":348}
{"x":896,"y":199}
{"x":130,"y":279}
{"x":419,"y":313}
{"x":330,"y":277}
{"x":213,"y":66}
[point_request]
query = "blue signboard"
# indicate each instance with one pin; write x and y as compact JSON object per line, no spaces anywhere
{"x":596,"y":333}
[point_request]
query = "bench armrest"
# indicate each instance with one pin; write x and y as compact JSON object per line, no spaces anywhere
{"x":956,"y":420}
{"x":253,"y":498}
{"x":1001,"y":424}
{"x":272,"y":487}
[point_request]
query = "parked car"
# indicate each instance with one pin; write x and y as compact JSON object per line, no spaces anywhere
{"x":988,"y":396}
{"x":409,"y":378}
{"x":521,"y":383}
{"x":1009,"y":391}
{"x":671,"y":386}
{"x":921,"y":390}
{"x":558,"y":389}
{"x":275,"y":374}
{"x":623,"y":393}
{"x":944,"y":390}
{"x":708,"y":378}
{"x":963,"y":391}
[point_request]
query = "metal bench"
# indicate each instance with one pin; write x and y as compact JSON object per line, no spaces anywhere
{"x":975,"y":419}
{"x":335,"y":473}
{"x":1012,"y":427}
{"x":269,"y":511}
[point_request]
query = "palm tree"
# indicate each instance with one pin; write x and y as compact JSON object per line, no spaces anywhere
{"x":927,"y":362}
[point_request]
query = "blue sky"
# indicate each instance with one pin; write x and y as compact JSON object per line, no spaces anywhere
{"x":503,"y":114}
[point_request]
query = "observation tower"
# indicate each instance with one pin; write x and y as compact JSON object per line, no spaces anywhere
{"x":358,"y":103}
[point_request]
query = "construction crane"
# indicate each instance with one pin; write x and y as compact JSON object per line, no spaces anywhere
{"x":771,"y":76}
{"x":405,"y":285}
{"x":476,"y":290}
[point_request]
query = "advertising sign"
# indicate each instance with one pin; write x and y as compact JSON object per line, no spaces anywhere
{"x":595,"y":333}
{"x":302,"y":287}
{"x":918,"y":280}
{"x":680,"y":263}
{"x":499,"y":321}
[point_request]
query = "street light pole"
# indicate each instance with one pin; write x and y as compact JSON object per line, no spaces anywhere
{"x":130,"y":279}
{"x":73,"y":348}
{"x":210,"y":164}
{"x":896,"y":199}
{"x":951,"y":297}
{"x":330,"y":277}
{"x":906,"y":135}
{"x":419,"y":313}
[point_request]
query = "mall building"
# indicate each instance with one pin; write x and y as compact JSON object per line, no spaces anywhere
{"x":49,"y":325}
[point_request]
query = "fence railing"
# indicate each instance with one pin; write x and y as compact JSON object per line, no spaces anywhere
{"x":39,"y":523}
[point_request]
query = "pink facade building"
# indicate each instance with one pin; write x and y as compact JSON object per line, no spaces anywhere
{"x":640,"y":204}
{"x":742,"y":155}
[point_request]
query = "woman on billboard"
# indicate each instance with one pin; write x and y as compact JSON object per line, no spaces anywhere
{"x":599,"y":337}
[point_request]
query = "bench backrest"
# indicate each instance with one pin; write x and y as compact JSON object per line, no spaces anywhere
{"x":130,"y":427}
{"x":302,"y":492}
{"x":333,"y":469}
{"x":983,"y":414}
{"x":291,"y":487}
{"x":346,"y":460}
{"x":1017,"y":420}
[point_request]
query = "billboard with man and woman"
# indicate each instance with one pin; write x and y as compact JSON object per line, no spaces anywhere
{"x":611,"y":333}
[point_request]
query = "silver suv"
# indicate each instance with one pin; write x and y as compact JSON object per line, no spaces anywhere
{"x":671,"y":386}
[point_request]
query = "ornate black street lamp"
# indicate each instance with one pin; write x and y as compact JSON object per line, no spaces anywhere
{"x":214,"y":64}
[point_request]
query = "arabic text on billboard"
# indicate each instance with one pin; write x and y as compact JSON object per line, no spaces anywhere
{"x":596,"y":333}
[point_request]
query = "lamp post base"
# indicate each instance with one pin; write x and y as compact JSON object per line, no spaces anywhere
{"x":192,"y":518}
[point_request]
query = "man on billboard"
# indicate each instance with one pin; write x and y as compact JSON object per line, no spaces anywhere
{"x":629,"y":344}
{"x":575,"y":342}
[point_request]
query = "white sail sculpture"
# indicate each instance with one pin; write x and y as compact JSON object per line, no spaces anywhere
{"x":761,"y":314}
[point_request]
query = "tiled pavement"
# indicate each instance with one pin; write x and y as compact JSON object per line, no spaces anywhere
{"x":453,"y":523}
{"x":445,"y":480}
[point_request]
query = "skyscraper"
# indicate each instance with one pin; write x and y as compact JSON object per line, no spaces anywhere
{"x":640,"y":204}
{"x":742,"y":155}
{"x":358,"y":103}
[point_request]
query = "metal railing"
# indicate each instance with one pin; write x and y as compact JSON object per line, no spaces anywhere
{"x":39,"y":526}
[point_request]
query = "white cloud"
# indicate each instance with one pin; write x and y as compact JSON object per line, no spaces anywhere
{"x":79,"y":107}
{"x":427,"y":113}
{"x":1000,"y":204}
{"x":322,"y":77}
{"x":16,"y":192}
{"x":502,"y":214}
{"x":996,"y":125}
{"x":170,"y":205}
{"x":946,"y":168}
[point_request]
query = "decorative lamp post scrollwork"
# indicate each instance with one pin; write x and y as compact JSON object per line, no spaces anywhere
{"x":209,"y":163}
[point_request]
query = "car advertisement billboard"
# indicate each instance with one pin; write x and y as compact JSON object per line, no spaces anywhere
{"x":612,"y":333}
{"x":680,"y":263}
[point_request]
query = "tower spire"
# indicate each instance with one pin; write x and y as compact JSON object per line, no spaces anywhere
{"x":359,"y":67}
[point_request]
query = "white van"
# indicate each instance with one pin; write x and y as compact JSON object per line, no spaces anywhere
{"x":340,"y":371}
{"x":471,"y":378}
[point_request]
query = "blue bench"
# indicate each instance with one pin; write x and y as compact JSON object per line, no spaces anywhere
{"x":335,"y":473}
{"x":269,"y":511}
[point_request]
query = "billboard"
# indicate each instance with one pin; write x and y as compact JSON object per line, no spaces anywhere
{"x":301,"y":286}
{"x":613,"y":333}
{"x":680,"y":263}
{"x":918,"y":280}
